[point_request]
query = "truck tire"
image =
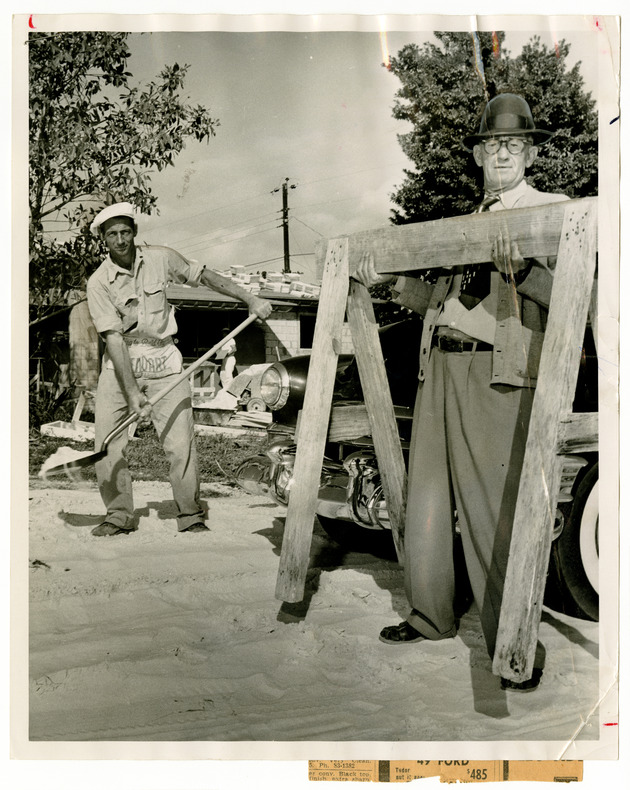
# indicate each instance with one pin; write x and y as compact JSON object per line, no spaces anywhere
{"x":576,"y":551}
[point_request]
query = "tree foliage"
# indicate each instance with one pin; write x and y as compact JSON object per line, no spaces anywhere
{"x":444,"y":88}
{"x":94,"y":134}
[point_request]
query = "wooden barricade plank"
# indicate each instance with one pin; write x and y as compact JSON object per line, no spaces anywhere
{"x":348,"y":422}
{"x":311,"y":439}
{"x":351,"y":422}
{"x":536,"y":506}
{"x":380,"y":408}
{"x":457,"y":241}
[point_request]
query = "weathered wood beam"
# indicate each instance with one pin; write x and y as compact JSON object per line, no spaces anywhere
{"x":348,"y":422}
{"x":380,"y":408}
{"x":351,"y":422}
{"x":579,"y":433}
{"x":540,"y":478}
{"x":456,"y":241}
{"x":298,"y":530}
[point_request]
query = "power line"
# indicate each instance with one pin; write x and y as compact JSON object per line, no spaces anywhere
{"x":231,"y":241}
{"x":278,"y":258}
{"x":308,"y":226}
{"x":213,"y":210}
{"x":294,"y":240}
{"x":195,"y":242}
{"x":265,"y":194}
{"x":327,"y":202}
{"x":222,"y":239}
{"x":346,"y":175}
{"x":217,"y":233}
{"x":267,"y":260}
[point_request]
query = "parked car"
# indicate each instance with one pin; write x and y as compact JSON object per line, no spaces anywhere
{"x":351,"y":507}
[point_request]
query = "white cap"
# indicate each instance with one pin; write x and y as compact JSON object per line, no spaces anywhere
{"x":115,"y":210}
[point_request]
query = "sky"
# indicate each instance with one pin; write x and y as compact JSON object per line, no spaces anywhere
{"x":315,"y":109}
{"x":311,"y":107}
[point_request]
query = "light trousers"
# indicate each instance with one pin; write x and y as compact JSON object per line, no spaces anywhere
{"x":173,"y":421}
{"x":466,"y":456}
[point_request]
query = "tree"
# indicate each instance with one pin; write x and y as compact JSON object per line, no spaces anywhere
{"x":93,"y":135}
{"x":445,"y":87}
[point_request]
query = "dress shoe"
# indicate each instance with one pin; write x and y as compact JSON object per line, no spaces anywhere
{"x":525,"y":685}
{"x":403,"y":633}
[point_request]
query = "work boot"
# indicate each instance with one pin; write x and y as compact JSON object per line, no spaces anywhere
{"x":198,"y":527}
{"x":107,"y":530}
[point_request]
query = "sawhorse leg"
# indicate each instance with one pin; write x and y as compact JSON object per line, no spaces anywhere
{"x":523,"y":592}
{"x":380,"y":408}
{"x":311,"y":440}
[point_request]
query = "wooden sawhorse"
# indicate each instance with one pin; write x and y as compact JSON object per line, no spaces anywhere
{"x":567,"y":230}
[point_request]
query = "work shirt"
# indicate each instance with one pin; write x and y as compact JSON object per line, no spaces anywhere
{"x":133,"y":302}
{"x":513,"y":326}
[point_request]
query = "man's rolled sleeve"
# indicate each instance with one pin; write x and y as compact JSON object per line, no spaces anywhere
{"x":104,"y":315}
{"x":183,"y":271}
{"x":196,"y":270}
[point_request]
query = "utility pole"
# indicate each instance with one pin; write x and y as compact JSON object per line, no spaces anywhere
{"x":285,"y":222}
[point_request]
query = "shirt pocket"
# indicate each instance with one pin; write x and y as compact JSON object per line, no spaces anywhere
{"x":127,"y":308}
{"x":154,"y":296}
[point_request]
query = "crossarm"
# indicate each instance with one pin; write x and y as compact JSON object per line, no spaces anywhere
{"x":458,"y":241}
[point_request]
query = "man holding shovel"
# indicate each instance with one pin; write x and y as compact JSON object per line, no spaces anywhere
{"x":128,"y":304}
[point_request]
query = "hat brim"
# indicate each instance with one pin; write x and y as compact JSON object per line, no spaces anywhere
{"x":539,"y":136}
{"x":124,"y":209}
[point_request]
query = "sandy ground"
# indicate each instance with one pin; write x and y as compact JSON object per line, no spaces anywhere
{"x":160,"y":636}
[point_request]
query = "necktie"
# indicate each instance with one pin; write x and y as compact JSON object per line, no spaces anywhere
{"x":476,"y":277}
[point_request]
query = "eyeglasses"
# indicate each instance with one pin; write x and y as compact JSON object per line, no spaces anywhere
{"x":515,"y":145}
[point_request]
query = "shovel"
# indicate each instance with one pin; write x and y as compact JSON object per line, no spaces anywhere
{"x":68,"y":460}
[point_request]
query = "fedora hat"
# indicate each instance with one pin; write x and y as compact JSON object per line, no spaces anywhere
{"x":507,"y":114}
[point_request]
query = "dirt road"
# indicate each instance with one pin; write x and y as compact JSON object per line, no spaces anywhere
{"x":160,"y":636}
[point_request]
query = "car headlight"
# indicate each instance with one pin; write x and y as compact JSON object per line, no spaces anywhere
{"x":275,"y":387}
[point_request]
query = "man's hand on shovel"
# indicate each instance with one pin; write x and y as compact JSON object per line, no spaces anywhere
{"x":259,"y":307}
{"x":140,"y":405}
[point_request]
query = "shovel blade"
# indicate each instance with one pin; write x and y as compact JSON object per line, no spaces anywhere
{"x":72,"y":464}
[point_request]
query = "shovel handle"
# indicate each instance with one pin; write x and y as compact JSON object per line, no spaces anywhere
{"x":181,"y":377}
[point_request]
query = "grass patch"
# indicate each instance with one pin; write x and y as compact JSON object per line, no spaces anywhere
{"x":219,"y":456}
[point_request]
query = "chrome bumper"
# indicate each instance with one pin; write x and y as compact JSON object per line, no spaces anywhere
{"x":348,"y":491}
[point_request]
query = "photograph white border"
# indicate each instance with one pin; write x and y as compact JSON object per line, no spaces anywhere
{"x":276,"y":751}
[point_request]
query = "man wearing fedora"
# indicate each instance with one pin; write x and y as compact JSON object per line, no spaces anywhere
{"x":480,"y":347}
{"x":128,"y":305}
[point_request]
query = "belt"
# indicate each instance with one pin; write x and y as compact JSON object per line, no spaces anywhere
{"x":445,"y":343}
{"x":148,"y":341}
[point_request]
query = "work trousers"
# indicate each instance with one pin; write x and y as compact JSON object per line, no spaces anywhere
{"x":173,"y":421}
{"x":466,"y":455}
